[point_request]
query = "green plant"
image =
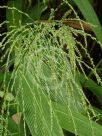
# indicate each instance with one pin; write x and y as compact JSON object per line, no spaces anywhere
{"x":46,"y":84}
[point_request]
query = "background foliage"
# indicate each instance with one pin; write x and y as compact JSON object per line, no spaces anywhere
{"x":50,"y":77}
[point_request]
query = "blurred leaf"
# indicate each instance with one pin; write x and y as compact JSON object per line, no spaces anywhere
{"x":92,"y":86}
{"x":91,"y":17}
{"x":35,"y":12}
{"x":12,"y":127}
{"x":3,"y":76}
{"x":12,"y":15}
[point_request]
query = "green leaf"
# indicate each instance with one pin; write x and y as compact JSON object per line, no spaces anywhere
{"x":35,"y":12}
{"x":11,"y":128}
{"x":6,"y":76}
{"x":76,"y":122}
{"x":36,"y":107}
{"x":92,"y":86}
{"x":58,"y":91}
{"x":13,"y":16}
{"x":91,"y":17}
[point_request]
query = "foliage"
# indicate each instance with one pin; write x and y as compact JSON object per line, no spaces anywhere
{"x":43,"y":93}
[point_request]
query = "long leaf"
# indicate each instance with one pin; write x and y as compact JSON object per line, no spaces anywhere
{"x":12,"y":15}
{"x":35,"y":12}
{"x":92,"y":86}
{"x":91,"y":17}
{"x":36,"y":108}
{"x":76,"y":122}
